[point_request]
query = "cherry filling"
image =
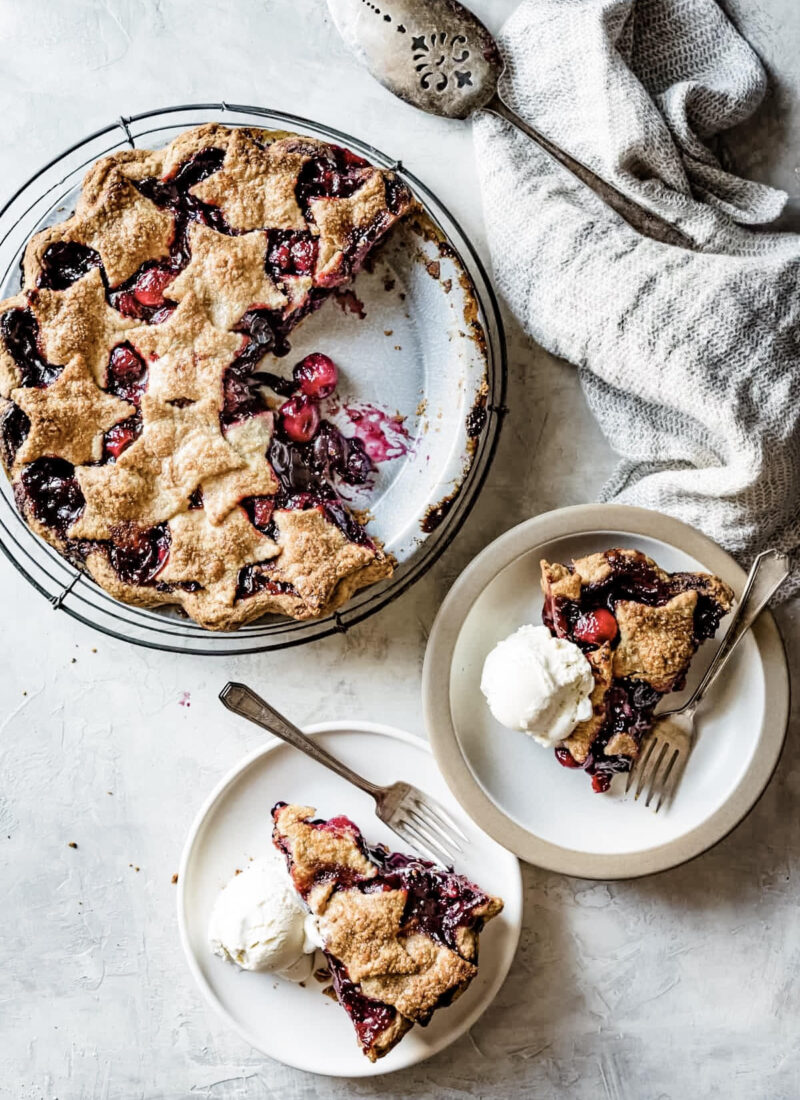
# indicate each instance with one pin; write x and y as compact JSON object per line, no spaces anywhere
{"x":64,"y":262}
{"x":291,"y":252}
{"x":137,"y":555}
{"x":335,"y":173}
{"x":591,"y":622}
{"x":119,"y":438}
{"x":20,"y":332}
{"x":370,"y":1018}
{"x":126,"y":374}
{"x":256,"y":578}
{"x":14,"y":428}
{"x":52,"y":489}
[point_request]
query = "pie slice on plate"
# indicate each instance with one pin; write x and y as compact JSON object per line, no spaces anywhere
{"x":639,"y":627}
{"x":400,"y":934}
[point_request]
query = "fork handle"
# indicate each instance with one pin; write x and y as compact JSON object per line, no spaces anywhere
{"x":243,"y":701}
{"x":769,"y":571}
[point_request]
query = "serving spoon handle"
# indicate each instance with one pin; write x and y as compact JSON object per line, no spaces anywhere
{"x":645,"y":222}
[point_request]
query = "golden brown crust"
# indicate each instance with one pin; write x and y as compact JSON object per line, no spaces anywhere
{"x":655,"y":643}
{"x":580,"y":740}
{"x":233,"y":262}
{"x":69,"y":417}
{"x":79,"y":321}
{"x":366,"y":931}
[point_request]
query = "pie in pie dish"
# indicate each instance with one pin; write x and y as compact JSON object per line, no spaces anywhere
{"x":639,"y":628}
{"x":142,"y":438}
{"x":400,"y":934}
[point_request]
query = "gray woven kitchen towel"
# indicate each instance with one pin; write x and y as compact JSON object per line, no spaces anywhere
{"x":689,"y":360}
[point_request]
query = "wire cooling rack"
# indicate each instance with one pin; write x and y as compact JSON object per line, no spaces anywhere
{"x":43,"y":200}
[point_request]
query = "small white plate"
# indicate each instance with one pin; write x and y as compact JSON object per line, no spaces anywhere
{"x":299,"y":1025}
{"x":516,"y":790}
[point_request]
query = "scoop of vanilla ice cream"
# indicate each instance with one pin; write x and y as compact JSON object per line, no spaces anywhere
{"x":259,"y":923}
{"x":537,"y":683}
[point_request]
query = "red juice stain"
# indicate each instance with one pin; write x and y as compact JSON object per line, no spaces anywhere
{"x":185,"y":699}
{"x":384,"y":437}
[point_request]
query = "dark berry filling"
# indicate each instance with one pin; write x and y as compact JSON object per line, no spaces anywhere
{"x":256,"y":578}
{"x":14,"y":428}
{"x":334,"y":173}
{"x":64,"y":262}
{"x":291,"y":252}
{"x":126,"y":374}
{"x":590,"y":622}
{"x":20,"y":332}
{"x":119,"y":438}
{"x":370,"y":1018}
{"x":52,"y":489}
{"x":137,"y":556}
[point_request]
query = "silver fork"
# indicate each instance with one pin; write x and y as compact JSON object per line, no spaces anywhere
{"x":660,"y":767}
{"x":405,"y":809}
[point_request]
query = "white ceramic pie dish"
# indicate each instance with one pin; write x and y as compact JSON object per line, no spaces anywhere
{"x":516,"y":790}
{"x":300,"y":1026}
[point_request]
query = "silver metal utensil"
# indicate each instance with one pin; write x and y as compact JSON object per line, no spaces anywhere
{"x":405,"y":809}
{"x":436,"y":55}
{"x":659,"y":769}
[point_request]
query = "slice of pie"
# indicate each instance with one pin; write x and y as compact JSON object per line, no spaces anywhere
{"x":400,"y":934}
{"x":143,"y":436}
{"x":639,"y":628}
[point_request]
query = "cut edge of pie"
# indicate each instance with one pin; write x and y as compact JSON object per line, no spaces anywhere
{"x":400,"y":934}
{"x":639,"y":628}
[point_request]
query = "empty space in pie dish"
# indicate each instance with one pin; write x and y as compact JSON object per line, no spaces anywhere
{"x":410,"y":372}
{"x":557,"y":804}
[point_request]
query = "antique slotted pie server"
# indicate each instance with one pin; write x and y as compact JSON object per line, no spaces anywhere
{"x":436,"y":55}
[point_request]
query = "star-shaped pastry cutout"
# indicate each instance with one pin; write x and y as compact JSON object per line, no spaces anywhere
{"x":315,"y":555}
{"x":187,"y":355}
{"x":79,"y":321}
{"x":255,"y":188}
{"x":122,"y":225}
{"x":227,"y":275}
{"x":212,"y":554}
{"x":156,"y":475}
{"x":250,"y":439}
{"x":68,"y":418}
{"x":337,"y":218}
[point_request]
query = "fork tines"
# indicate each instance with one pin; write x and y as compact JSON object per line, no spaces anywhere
{"x":654,"y":770}
{"x":429,"y":828}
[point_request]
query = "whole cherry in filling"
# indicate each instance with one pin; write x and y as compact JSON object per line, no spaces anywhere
{"x":126,"y":375}
{"x":316,"y":375}
{"x":300,"y":419}
{"x":595,"y":627}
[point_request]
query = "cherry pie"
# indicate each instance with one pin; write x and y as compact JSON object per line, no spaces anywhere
{"x":400,"y":934}
{"x":639,"y":628}
{"x":143,"y":440}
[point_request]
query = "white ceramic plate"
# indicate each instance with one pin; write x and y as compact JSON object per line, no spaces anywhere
{"x":516,"y":790}
{"x":300,"y":1026}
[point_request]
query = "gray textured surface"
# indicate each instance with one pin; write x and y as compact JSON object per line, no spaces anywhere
{"x":684,"y":985}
